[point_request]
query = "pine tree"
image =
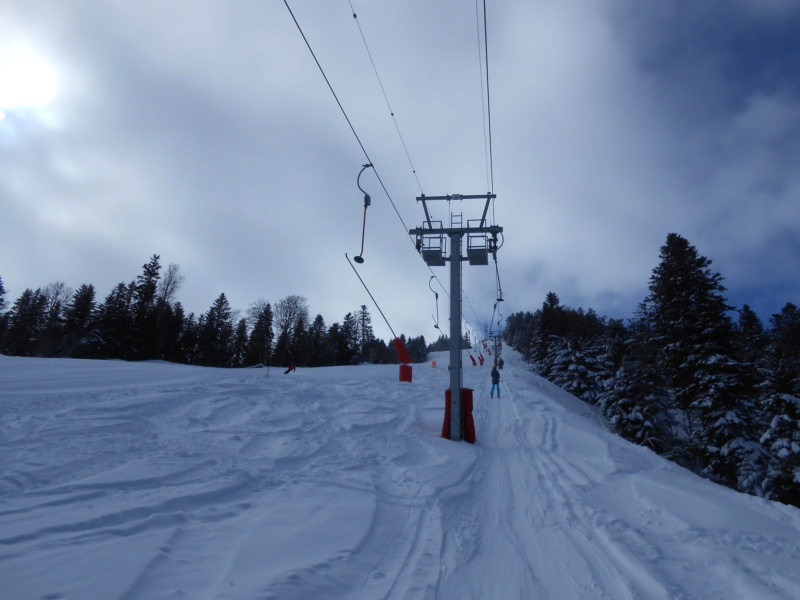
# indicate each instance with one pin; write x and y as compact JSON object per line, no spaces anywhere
{"x":145,"y":314}
{"x":3,"y":315}
{"x":57,"y":296}
{"x":239,"y":349}
{"x":259,"y":345}
{"x":694,"y":333}
{"x":79,"y":317}
{"x":216,"y":335}
{"x":347,"y":343}
{"x":782,"y":407}
{"x":173,"y":327}
{"x":634,"y":396}
{"x":366,"y":336}
{"x":317,"y":339}
{"x":115,"y":323}
{"x":26,"y":320}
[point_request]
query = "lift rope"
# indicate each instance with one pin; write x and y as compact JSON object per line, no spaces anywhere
{"x":367,"y":201}
{"x":385,"y":97}
{"x":370,"y":295}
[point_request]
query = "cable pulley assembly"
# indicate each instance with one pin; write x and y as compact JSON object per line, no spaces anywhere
{"x":367,"y":201}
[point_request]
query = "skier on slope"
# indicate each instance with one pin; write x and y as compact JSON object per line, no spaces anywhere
{"x":495,"y":381}
{"x":500,"y":363}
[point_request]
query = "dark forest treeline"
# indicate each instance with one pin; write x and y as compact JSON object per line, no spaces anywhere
{"x":142,"y":320}
{"x":718,"y":395}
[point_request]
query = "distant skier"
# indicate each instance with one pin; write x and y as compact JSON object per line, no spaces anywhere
{"x":495,"y":381}
{"x":500,"y":363}
{"x":290,"y":369}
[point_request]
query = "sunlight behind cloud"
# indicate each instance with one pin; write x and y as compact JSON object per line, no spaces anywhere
{"x":26,"y":81}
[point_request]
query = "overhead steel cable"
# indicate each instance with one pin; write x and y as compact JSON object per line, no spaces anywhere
{"x":483,"y":99}
{"x":488,"y":96}
{"x":358,"y":139}
{"x":386,"y":97}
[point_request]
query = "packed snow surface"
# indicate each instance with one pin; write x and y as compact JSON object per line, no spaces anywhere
{"x":150,"y":480}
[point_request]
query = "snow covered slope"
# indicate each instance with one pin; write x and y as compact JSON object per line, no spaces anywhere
{"x":148,"y":481}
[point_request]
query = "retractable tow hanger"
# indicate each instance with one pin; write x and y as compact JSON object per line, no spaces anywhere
{"x":367,"y":201}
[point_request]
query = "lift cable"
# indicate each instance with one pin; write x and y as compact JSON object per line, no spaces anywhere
{"x":385,"y":97}
{"x":366,"y":154}
{"x":358,"y":139}
{"x":483,"y":100}
{"x":488,"y":97}
{"x":370,"y":295}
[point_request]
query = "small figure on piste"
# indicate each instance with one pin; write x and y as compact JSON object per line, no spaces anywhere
{"x":500,"y":363}
{"x":290,"y":369}
{"x":495,"y":381}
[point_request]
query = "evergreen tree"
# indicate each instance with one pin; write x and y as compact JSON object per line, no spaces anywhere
{"x":694,"y":333}
{"x":417,"y":349}
{"x":57,"y":295}
{"x":317,"y":341}
{"x":259,"y":345}
{"x":173,"y":327}
{"x":79,"y":317}
{"x":190,"y":338}
{"x":782,"y":407}
{"x":366,"y":336}
{"x":239,"y":350}
{"x":115,"y":323}
{"x":26,"y":320}
{"x":3,"y":315}
{"x":347,"y":343}
{"x":634,"y":395}
{"x":300,"y":348}
{"x":145,"y":314}
{"x":331,"y":356}
{"x":216,"y":335}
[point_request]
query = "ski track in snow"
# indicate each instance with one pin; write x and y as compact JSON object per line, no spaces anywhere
{"x":148,"y":481}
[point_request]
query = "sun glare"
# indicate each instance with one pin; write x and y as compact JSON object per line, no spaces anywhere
{"x":25,"y":81}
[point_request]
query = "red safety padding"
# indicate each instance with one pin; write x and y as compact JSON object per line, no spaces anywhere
{"x":472,"y":358}
{"x":405,"y":373}
{"x":467,"y":422}
{"x":402,"y":353}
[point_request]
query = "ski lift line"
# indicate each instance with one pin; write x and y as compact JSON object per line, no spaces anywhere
{"x":369,"y":160}
{"x":358,"y":139}
{"x":370,"y":295}
{"x":385,"y":97}
{"x":488,"y":96}
{"x":483,"y":101}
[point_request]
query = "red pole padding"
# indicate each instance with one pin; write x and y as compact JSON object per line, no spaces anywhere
{"x":402,"y":353}
{"x":467,"y":422}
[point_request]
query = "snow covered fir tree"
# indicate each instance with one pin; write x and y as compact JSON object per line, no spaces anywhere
{"x":716,"y":395}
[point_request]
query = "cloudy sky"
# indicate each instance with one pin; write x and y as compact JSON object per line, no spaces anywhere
{"x":203,"y":131}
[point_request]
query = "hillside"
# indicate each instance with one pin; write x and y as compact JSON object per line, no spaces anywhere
{"x":142,"y":481}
